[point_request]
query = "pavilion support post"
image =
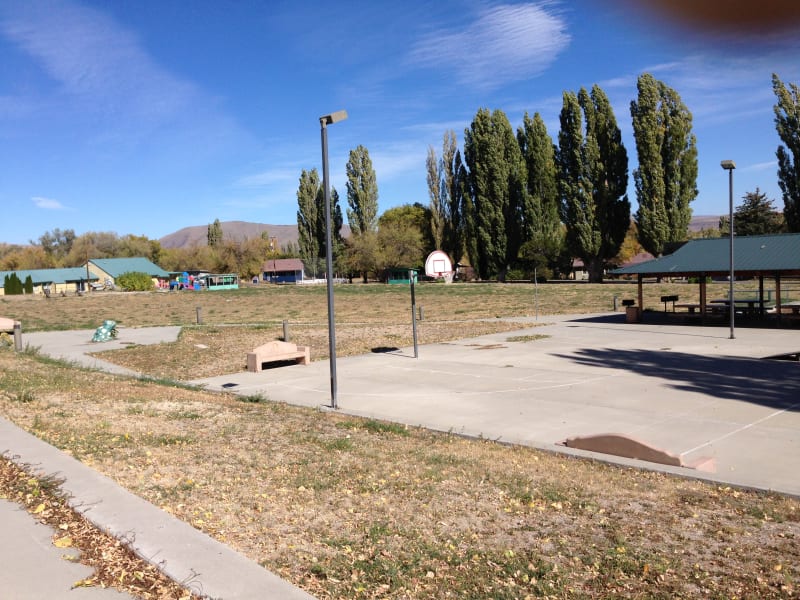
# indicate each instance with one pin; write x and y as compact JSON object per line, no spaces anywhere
{"x":640,"y":279}
{"x":778,"y":310}
{"x":761,"y":295}
{"x":703,"y":296}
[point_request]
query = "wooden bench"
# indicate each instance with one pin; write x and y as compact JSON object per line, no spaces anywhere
{"x":275,"y":352}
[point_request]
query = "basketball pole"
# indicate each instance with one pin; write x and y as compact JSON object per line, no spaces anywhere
{"x":413,"y":312}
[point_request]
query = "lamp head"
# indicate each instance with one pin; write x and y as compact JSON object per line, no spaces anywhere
{"x":339,"y":115}
{"x":728,"y":165}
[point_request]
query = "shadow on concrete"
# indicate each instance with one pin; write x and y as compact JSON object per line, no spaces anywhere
{"x":657,"y":317}
{"x":765,"y":382}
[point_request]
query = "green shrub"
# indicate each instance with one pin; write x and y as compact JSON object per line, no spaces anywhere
{"x":135,"y":282}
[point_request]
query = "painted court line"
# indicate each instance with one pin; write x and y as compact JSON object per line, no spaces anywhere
{"x":742,"y":428}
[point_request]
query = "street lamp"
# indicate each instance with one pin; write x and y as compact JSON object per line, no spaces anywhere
{"x":324,"y":121}
{"x":729,"y":166}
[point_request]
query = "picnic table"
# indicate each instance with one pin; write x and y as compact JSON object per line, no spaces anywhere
{"x":691,"y":307}
{"x":748,"y":306}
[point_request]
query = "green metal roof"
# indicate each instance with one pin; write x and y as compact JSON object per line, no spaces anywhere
{"x":117,"y":266}
{"x":752,"y":255}
{"x":42,"y":276}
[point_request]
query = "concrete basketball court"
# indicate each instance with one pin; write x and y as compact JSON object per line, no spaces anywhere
{"x":688,"y":390}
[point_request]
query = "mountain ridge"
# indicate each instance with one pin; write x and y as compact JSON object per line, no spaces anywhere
{"x":197,"y":235}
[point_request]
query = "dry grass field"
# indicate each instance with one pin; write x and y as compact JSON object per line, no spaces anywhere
{"x":353,"y":508}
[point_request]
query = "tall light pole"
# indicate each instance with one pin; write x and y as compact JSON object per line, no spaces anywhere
{"x":324,"y":121}
{"x":729,"y":166}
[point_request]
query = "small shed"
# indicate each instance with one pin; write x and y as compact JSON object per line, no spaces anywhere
{"x":400,"y":275}
{"x":283,"y":270}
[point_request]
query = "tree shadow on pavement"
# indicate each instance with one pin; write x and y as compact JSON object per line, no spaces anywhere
{"x":772,"y":383}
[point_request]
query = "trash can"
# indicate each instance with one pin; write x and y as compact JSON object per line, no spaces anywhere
{"x":632,"y":314}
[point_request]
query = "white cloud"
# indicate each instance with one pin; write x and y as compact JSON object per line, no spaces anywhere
{"x":391,"y":164}
{"x":47,"y":203}
{"x":505,"y":43}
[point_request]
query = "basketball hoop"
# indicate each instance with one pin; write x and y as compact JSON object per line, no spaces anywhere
{"x":439,"y":265}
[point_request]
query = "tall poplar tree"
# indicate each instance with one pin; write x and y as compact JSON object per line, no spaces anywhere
{"x":362,"y":192}
{"x":666,"y":179}
{"x":446,"y":181}
{"x":593,"y":172}
{"x":497,"y":182}
{"x":310,"y":219}
{"x":311,"y":228}
{"x":542,"y":222}
{"x":787,"y":123}
{"x":214,"y":234}
{"x":434,"y":178}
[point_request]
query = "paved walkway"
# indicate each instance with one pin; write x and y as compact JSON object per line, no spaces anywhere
{"x":688,"y":390}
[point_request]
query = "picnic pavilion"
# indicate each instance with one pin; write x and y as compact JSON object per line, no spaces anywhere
{"x":771,"y":257}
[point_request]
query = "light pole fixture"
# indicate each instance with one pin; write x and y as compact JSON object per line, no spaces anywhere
{"x":324,"y":121}
{"x":729,"y":166}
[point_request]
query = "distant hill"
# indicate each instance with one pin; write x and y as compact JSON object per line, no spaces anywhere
{"x":197,"y":235}
{"x":699,"y":222}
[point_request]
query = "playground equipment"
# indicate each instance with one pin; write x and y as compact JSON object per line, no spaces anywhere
{"x":106,"y":332}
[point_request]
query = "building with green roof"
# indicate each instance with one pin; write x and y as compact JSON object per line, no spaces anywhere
{"x":108,"y":269}
{"x":54,"y":281}
{"x":97,"y":272}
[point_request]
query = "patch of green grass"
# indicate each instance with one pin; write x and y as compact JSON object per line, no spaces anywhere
{"x":253,"y":398}
{"x":185,"y":414}
{"x":168,"y":382}
{"x":374,"y":426}
{"x":164,"y":439}
{"x":339,"y":444}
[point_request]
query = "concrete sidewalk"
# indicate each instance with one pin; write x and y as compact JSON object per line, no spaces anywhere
{"x":685,"y":389}
{"x":75,"y":346}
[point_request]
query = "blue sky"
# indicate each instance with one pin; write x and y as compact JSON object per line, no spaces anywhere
{"x":145,"y":117}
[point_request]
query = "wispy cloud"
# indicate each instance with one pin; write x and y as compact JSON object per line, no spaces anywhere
{"x":504,"y":43}
{"x":764,"y":166}
{"x":94,"y":59}
{"x":720,"y":89}
{"x":279,"y":175}
{"x":48,"y":203}
{"x":401,"y":159}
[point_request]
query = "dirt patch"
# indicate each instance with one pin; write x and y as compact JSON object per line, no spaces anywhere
{"x":218,"y":350}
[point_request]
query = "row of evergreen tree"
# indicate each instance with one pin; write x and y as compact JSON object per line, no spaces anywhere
{"x":521,"y":196}
{"x":511,"y":198}
{"x":13,"y":285}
